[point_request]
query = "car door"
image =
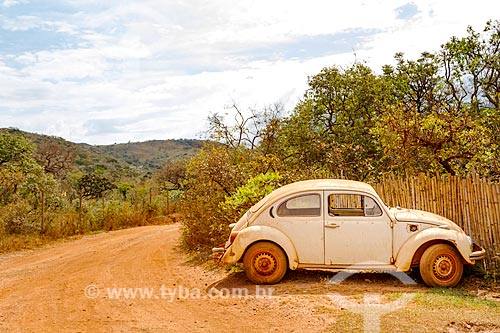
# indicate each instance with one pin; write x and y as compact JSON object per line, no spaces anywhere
{"x":357,"y":230}
{"x":300,"y":218}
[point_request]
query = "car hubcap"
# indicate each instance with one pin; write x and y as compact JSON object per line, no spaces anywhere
{"x":265,"y":263}
{"x":443,"y":267}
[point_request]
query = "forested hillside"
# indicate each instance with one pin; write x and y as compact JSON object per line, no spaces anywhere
{"x":151,"y":156}
{"x":142,"y":158}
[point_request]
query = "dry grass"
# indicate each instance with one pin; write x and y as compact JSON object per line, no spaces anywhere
{"x":10,"y":243}
{"x":71,"y":229}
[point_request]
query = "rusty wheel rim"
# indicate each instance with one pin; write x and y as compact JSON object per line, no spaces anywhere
{"x":265,"y":263}
{"x":444,"y":267}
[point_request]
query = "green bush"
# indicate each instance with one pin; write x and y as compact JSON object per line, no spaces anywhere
{"x":213,"y":174}
{"x":18,"y":217}
{"x":249,"y":194}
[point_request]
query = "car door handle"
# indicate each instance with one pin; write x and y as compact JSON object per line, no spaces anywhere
{"x":331,"y":225}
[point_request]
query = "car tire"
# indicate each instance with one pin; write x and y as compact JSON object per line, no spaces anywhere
{"x":265,"y":263}
{"x":441,"y":266}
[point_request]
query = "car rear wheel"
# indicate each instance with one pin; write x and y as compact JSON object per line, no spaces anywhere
{"x":265,"y":263}
{"x":441,"y":266}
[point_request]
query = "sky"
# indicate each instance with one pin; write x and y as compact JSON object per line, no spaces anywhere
{"x":106,"y":71}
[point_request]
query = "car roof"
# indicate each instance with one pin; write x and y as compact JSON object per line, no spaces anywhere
{"x":326,"y":184}
{"x":320,"y":185}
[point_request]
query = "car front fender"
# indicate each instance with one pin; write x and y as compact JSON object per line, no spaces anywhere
{"x":409,"y":248}
{"x":252,"y":234}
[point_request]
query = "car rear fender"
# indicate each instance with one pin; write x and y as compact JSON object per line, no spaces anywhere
{"x":407,"y":252}
{"x":256,"y":233}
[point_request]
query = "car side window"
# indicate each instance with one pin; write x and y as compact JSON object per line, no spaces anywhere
{"x":371,"y":207}
{"x":352,"y":205}
{"x":303,"y":205}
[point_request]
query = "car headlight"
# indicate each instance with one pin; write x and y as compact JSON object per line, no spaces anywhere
{"x":470,"y":241}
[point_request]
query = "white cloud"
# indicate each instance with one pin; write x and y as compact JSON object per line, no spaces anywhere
{"x":20,"y":23}
{"x":64,"y":65}
{"x":139,"y":70}
{"x":10,"y":3}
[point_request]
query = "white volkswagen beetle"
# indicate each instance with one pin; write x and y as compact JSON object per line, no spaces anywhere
{"x":338,"y":224}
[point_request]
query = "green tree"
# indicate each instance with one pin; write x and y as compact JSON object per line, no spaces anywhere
{"x":15,"y":151}
{"x":241,"y":148}
{"x":94,"y":185}
{"x":22,"y":181}
{"x":472,"y":75}
{"x":439,"y":117}
{"x":124,"y":188}
{"x":19,"y":172}
{"x":472,"y":68}
{"x":172,"y":175}
{"x":55,"y":156}
{"x":214,"y":173}
{"x":329,"y":130}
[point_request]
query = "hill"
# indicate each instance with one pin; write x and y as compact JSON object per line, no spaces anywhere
{"x":138,"y":158}
{"x":151,"y":155}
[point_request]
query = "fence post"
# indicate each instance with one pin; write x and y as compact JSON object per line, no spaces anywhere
{"x":80,"y":213}
{"x":43,"y":212}
{"x":168,"y":201}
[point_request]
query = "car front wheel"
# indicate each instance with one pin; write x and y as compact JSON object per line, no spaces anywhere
{"x":441,"y":266}
{"x":265,"y":263}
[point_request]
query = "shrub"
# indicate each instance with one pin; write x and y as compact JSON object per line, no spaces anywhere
{"x":18,"y":217}
{"x":249,"y":194}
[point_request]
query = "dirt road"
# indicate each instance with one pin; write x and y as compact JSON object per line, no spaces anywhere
{"x":137,"y":280}
{"x":65,"y":288}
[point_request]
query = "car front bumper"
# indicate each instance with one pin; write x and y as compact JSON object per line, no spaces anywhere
{"x":478,"y":252}
{"x":218,"y":252}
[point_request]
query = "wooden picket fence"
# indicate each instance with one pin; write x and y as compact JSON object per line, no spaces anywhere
{"x":473,"y":203}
